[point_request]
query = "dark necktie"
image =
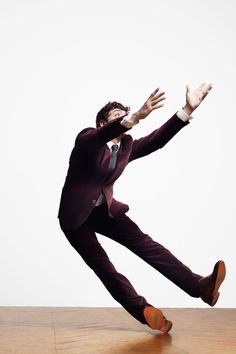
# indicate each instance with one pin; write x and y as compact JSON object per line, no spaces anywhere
{"x":112,"y":163}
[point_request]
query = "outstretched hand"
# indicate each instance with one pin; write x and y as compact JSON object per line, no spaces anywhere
{"x":153,"y":102}
{"x":195,"y":98}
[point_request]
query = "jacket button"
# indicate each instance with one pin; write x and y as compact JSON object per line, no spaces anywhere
{"x":94,"y":201}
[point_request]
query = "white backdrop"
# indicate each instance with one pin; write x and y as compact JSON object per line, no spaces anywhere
{"x":61,"y":61}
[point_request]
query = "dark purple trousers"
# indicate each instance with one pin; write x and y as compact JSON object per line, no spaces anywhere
{"x":128,"y":234}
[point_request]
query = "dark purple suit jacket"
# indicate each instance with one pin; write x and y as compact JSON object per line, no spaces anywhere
{"x":89,"y":160}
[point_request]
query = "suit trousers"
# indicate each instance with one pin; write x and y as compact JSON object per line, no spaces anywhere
{"x":124,"y":231}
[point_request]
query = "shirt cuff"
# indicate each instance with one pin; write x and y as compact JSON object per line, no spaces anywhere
{"x":127,"y":122}
{"x":183,"y":116}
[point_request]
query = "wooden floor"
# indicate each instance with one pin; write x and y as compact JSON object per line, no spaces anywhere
{"x":30,"y":330}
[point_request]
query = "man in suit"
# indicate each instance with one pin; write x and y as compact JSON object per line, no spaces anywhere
{"x":87,"y":206}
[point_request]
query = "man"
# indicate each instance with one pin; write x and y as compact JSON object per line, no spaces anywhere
{"x":98,"y":158}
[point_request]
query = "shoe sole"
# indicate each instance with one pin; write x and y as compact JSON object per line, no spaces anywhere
{"x":156,"y":320}
{"x":220,"y":276}
{"x":167,"y":327}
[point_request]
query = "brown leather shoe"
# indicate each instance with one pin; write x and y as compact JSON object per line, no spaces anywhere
{"x":209,"y":285}
{"x":156,"y":320}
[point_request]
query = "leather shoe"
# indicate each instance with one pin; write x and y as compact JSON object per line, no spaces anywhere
{"x":209,"y":285}
{"x":155,"y":319}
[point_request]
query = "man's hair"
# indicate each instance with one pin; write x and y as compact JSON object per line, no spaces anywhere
{"x":104,"y":111}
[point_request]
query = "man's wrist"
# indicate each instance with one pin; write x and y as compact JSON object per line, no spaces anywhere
{"x":135,"y":118}
{"x":130,"y":121}
{"x":183,"y":115}
{"x":188,"y":110}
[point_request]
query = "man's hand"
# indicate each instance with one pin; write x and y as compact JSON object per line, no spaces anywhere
{"x":195,"y":98}
{"x":152,"y":103}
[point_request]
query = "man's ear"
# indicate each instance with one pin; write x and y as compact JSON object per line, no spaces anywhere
{"x":102,"y":122}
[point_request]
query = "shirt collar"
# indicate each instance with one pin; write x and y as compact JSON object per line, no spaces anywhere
{"x":110,"y":143}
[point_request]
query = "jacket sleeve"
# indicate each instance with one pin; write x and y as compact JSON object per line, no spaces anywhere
{"x":100,"y":136}
{"x":157,"y":139}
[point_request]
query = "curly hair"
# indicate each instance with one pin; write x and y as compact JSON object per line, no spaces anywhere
{"x":104,"y":111}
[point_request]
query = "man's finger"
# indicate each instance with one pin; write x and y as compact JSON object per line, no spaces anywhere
{"x":154,"y":92}
{"x":158,"y":106}
{"x":153,"y":103}
{"x":153,"y":98}
{"x":201,"y":86}
{"x":188,"y":89}
{"x":206,"y":90}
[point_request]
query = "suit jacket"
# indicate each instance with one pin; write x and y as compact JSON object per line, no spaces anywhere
{"x":88,"y":164}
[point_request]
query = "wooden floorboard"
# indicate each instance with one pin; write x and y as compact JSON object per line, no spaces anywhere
{"x":70,"y":330}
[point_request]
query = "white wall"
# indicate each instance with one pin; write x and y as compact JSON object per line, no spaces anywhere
{"x":61,"y":61}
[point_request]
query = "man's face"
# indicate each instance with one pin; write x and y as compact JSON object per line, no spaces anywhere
{"x":113,"y":114}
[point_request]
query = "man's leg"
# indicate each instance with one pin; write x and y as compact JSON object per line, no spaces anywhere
{"x":86,"y":244}
{"x":127,"y":233}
